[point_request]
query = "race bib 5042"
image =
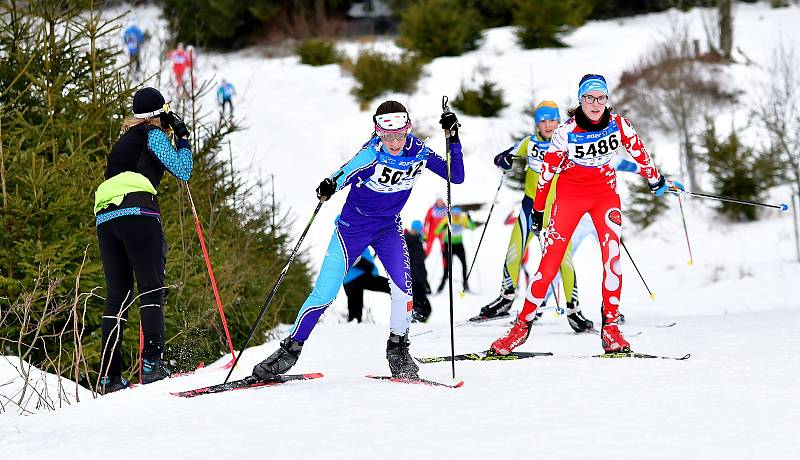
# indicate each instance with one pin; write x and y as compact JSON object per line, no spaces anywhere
{"x":394,"y":175}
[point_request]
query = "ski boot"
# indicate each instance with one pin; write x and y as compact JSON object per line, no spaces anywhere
{"x":613,"y":341}
{"x":400,"y":361}
{"x":154,"y":370}
{"x":576,"y":320}
{"x":499,"y":306}
{"x":112,"y":384}
{"x":279,"y":362}
{"x":515,"y":337}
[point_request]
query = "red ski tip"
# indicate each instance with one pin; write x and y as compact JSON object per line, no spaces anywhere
{"x":315,"y":375}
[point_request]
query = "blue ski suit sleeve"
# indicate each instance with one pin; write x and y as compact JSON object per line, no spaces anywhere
{"x":178,"y":162}
{"x":439,"y":165}
{"x":363,"y":160}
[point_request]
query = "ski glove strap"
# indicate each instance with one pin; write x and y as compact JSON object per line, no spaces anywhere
{"x":326,"y":189}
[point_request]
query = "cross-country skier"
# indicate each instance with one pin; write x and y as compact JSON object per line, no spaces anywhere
{"x":435,"y":215}
{"x":129,"y":231}
{"x":581,"y":152}
{"x":546,"y":117}
{"x":180,"y":62}
{"x":362,"y":276}
{"x":460,"y":222}
{"x":133,"y":37}
{"x":419,"y":274}
{"x":381,"y":176}
{"x":225,"y":94}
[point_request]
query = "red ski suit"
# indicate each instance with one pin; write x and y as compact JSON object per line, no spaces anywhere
{"x":434,"y":216}
{"x":582,"y":156}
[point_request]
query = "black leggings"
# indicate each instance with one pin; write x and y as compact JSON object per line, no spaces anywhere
{"x":132,"y":245}
{"x":355,"y":293}
{"x":458,"y":252}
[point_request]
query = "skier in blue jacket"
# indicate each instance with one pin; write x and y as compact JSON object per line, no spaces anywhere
{"x":362,"y":276}
{"x":381,"y":176}
{"x":133,"y":37}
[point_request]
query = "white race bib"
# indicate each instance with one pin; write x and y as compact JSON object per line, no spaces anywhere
{"x":395,"y":174}
{"x":536,"y":151}
{"x":594,"y":149}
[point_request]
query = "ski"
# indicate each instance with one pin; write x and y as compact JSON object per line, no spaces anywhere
{"x":247,"y":382}
{"x":484,"y":356}
{"x":482,"y":319}
{"x":637,"y":355}
{"x":417,"y":381}
{"x":664,"y":325}
{"x":595,"y":332}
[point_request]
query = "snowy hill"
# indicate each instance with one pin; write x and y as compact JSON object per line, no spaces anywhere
{"x":736,"y":308}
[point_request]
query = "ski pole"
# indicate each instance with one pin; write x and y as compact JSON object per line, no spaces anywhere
{"x":447,"y":133}
{"x":686,"y":231}
{"x":782,"y":206}
{"x":483,"y":233}
{"x":275,"y":288}
{"x":559,"y":310}
{"x":652,"y":296}
{"x":211,"y":276}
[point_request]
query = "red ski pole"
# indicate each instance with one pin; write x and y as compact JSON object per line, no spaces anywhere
{"x":211,"y":276}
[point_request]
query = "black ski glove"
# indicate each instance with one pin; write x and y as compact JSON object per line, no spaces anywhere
{"x":326,"y":189}
{"x":450,"y":123}
{"x":178,"y":126}
{"x":537,"y":218}
{"x":504,"y":161}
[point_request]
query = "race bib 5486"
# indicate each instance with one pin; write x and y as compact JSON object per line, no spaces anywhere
{"x":594,"y":148}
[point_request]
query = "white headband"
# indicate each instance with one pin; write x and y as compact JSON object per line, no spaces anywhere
{"x":392,"y":121}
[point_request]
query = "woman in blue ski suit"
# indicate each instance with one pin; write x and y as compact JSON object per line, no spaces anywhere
{"x":381,"y":176}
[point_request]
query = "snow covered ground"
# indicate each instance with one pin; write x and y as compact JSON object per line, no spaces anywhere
{"x":736,"y":308}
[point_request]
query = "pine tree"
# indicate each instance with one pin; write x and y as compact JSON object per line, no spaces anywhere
{"x":62,"y":101}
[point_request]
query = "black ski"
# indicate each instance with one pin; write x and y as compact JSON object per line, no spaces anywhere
{"x":595,"y":332}
{"x":482,"y":319}
{"x":638,"y":355}
{"x":484,"y":356}
{"x":417,"y":381}
{"x":247,"y":382}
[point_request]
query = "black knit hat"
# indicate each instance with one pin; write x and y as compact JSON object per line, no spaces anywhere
{"x":147,"y":103}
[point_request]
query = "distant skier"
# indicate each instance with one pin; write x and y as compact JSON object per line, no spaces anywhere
{"x":225,"y":94}
{"x":382,"y":175}
{"x":362,"y":276}
{"x":419,"y":274}
{"x":581,"y":151}
{"x":433,"y":218}
{"x":532,"y":148}
{"x":129,"y":232}
{"x":133,"y":37}
{"x":180,"y":62}
{"x":460,"y":222}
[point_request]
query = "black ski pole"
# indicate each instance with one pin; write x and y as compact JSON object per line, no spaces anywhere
{"x":447,"y":133}
{"x":274,"y":289}
{"x":782,"y":206}
{"x":485,"y":225}
{"x":652,"y":296}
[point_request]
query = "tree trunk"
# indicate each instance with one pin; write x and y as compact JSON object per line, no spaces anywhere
{"x":725,"y":28}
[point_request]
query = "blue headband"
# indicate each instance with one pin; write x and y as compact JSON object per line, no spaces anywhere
{"x":593,"y":83}
{"x":546,"y":113}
